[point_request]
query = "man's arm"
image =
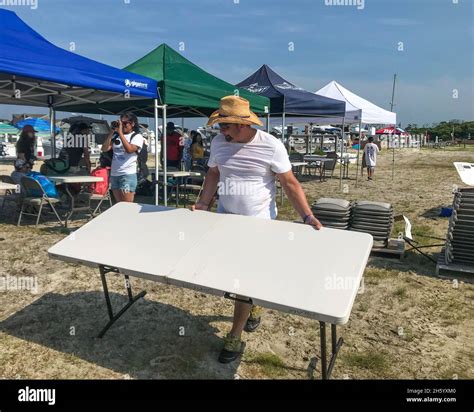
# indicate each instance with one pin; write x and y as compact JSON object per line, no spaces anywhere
{"x":209,"y":189}
{"x":295,"y":193}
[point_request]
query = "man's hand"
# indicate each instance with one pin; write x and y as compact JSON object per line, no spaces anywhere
{"x":199,"y":206}
{"x":312,"y":221}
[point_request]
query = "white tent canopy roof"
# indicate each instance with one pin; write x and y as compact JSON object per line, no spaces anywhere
{"x":357,"y":108}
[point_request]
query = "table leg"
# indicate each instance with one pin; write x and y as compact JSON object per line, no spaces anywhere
{"x":336,"y":344}
{"x":71,"y":199}
{"x":177,"y":192}
{"x":131,"y":299}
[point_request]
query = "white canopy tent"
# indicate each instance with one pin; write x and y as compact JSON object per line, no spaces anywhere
{"x":358,"y":110}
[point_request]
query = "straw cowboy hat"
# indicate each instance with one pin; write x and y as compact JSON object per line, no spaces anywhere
{"x":234,"y":109}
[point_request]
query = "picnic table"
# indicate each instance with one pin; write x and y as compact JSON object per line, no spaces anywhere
{"x":8,"y":186}
{"x":68,"y":180}
{"x":180,"y":175}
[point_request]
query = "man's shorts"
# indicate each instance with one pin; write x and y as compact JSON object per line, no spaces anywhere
{"x":126,"y":183}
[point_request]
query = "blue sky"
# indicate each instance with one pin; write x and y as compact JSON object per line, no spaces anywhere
{"x":356,"y":46}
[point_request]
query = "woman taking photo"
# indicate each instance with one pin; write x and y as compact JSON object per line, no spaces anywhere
{"x":125,"y":141}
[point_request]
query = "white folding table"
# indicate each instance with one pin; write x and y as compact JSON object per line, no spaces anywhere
{"x":9,"y":186}
{"x":237,"y":257}
{"x":71,"y":179}
{"x":466,"y":172}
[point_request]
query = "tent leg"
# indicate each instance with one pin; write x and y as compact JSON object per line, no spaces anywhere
{"x":358,"y":151}
{"x":268,"y":122}
{"x":182,"y":128}
{"x":342,"y":158}
{"x":157,"y":157}
{"x":52,"y":132}
{"x":393,"y":156}
{"x":165,"y":160}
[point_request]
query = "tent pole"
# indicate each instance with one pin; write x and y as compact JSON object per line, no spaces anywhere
{"x":288,"y":147}
{"x":52,"y":130}
{"x":165,"y":160}
{"x":393,"y":155}
{"x":157,"y":158}
{"x":182,"y":141}
{"x":268,"y":122}
{"x":342,"y":157}
{"x":358,"y":149}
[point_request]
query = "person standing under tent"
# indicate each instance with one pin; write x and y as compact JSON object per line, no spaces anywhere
{"x":74,"y":151}
{"x":243,"y":165}
{"x":370,"y":152}
{"x":125,"y":141}
{"x":197,"y":150}
{"x":174,"y":146}
{"x":187,"y":159}
{"x":25,"y":147}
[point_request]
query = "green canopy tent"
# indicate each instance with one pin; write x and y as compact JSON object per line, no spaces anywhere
{"x":185,"y":90}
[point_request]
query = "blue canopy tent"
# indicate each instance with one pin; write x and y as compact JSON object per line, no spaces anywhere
{"x":35,"y":72}
{"x":289,"y":99}
{"x":286,"y":98}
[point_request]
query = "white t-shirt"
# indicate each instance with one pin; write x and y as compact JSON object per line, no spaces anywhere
{"x":124,"y":163}
{"x":247,"y":174}
{"x":371,"y":150}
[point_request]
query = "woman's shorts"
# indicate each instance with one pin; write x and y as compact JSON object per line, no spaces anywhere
{"x":126,"y":183}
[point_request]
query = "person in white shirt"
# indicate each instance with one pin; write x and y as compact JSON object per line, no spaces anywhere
{"x":125,"y":141}
{"x":370,"y":152}
{"x":243,"y":165}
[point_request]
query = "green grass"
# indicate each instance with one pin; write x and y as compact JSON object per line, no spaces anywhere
{"x":376,"y":362}
{"x":270,"y":363}
{"x":400,"y":292}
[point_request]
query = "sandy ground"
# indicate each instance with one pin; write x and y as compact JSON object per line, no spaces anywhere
{"x":407,"y":323}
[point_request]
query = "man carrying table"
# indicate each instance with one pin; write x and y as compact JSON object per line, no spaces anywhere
{"x":243,"y":165}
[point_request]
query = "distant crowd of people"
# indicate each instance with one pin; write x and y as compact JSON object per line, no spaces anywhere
{"x":182,"y":148}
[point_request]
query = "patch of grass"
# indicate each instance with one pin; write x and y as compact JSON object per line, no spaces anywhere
{"x":376,"y":362}
{"x":363,"y":306}
{"x":270,"y":363}
{"x":420,"y":230}
{"x":400,"y":292}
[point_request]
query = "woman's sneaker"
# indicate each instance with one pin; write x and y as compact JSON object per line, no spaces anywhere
{"x":254,"y":320}
{"x":233,"y":348}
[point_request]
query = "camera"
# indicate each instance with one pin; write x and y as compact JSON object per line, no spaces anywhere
{"x":114,"y":124}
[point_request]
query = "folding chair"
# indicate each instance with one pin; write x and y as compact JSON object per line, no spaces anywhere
{"x":10,"y":196}
{"x":196,"y":186}
{"x":31,"y":187}
{"x":101,"y":199}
